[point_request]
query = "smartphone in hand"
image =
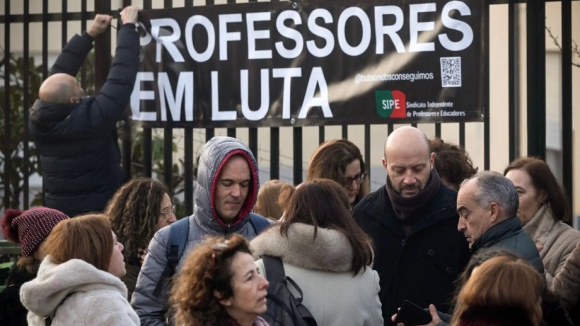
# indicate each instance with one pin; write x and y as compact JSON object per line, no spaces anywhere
{"x":412,"y":314}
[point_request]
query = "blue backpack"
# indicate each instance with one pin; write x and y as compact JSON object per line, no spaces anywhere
{"x":178,"y":234}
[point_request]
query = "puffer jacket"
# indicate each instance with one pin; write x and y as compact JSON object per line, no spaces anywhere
{"x":509,"y":235}
{"x":76,"y":293}
{"x":152,"y":309}
{"x":77,"y":142}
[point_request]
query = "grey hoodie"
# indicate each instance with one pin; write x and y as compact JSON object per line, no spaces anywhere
{"x":152,"y":310}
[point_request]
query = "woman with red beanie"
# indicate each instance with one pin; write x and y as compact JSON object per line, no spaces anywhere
{"x":28,"y":229}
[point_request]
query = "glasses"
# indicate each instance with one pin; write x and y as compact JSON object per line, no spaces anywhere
{"x":167,"y":210}
{"x":358,"y":179}
{"x":218,"y":249}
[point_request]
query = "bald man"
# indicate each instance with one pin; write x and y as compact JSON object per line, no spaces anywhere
{"x":76,"y":135}
{"x":413,"y":223}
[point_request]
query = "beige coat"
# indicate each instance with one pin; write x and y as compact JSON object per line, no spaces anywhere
{"x":556,"y":240}
{"x":320,"y":267}
{"x":567,"y":282}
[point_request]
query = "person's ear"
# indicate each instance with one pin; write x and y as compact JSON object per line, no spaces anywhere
{"x":543,"y":197}
{"x":384,"y":161}
{"x":223,"y":302}
{"x":494,"y":212}
{"x":75,"y":99}
{"x":432,"y":158}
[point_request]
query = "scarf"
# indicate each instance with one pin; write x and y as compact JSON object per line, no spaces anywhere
{"x":408,"y":209}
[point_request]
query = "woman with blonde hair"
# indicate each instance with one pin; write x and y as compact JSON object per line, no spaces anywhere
{"x":138,"y":209}
{"x":268,"y":203}
{"x":341,"y":161}
{"x":219,"y":285}
{"x":501,"y":291}
{"x":78,"y":281}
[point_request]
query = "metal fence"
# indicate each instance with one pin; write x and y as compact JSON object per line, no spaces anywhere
{"x":536,"y":95}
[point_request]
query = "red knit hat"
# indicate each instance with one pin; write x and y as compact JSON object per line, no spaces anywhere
{"x":31,"y":227}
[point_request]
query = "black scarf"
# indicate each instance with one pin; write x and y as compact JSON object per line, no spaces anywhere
{"x":407,"y":209}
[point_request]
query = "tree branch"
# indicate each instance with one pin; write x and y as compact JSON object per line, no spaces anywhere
{"x":575,"y":49}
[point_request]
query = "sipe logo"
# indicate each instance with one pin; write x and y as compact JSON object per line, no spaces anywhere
{"x":391,"y":104}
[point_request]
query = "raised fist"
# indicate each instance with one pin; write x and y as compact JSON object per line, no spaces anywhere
{"x":129,"y":15}
{"x":100,"y":24}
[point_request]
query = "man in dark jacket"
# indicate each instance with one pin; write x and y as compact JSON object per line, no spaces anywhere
{"x":413,"y":223}
{"x":227,"y":190}
{"x":76,"y":135}
{"x":487,"y":205}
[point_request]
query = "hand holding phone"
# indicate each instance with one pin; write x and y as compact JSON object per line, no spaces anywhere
{"x":411,"y":314}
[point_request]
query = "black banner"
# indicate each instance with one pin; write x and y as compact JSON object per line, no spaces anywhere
{"x":311,"y":63}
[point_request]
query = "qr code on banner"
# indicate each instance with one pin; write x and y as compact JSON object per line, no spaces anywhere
{"x":451,"y":72}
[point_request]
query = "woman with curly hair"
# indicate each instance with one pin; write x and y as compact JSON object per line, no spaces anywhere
{"x":452,"y":163}
{"x":219,"y":284}
{"x":136,"y":211}
{"x":340,"y":160}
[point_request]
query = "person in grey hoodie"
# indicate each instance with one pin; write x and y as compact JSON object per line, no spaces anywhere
{"x":227,"y":189}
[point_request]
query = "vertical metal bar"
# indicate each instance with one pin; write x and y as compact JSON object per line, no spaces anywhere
{"x":188,"y":3}
{"x":297,"y":149}
{"x":147,"y":132}
{"x":274,"y":153}
{"x":26,"y":104}
{"x":127,"y":134}
{"x":168,"y":141}
{"x":84,"y":28}
{"x":209,"y":133}
{"x":486,"y":131}
{"x":345,"y":131}
{"x":7,"y":158}
{"x":253,"y":139}
{"x":390,"y":128}
{"x":147,"y":152}
{"x":102,"y":48}
{"x":367,"y":154}
{"x":462,"y":134}
{"x":321,"y":135}
{"x":44,"y":39}
{"x":567,"y":132}
{"x":438,"y":130}
{"x":188,"y":171}
{"x":536,"y":74}
{"x":512,"y":90}
{"x":64,"y":22}
{"x":414,"y":125}
{"x":232,"y":132}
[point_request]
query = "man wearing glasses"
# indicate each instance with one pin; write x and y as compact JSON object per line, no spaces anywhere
{"x":413,"y":223}
{"x":228,"y":185}
{"x":76,"y":135}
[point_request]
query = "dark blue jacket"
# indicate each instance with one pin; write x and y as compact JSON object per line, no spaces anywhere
{"x":510,"y":236}
{"x":77,"y":142}
{"x":423,"y":266}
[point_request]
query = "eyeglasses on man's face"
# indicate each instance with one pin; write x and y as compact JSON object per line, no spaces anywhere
{"x":358,"y":179}
{"x":168,"y":210}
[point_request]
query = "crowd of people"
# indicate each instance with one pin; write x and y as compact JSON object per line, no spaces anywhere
{"x":469,"y":248}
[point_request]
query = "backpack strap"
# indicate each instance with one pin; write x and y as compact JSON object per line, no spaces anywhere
{"x":274,"y":269}
{"x":259,"y":223}
{"x":178,"y":234}
{"x":48,"y":318}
